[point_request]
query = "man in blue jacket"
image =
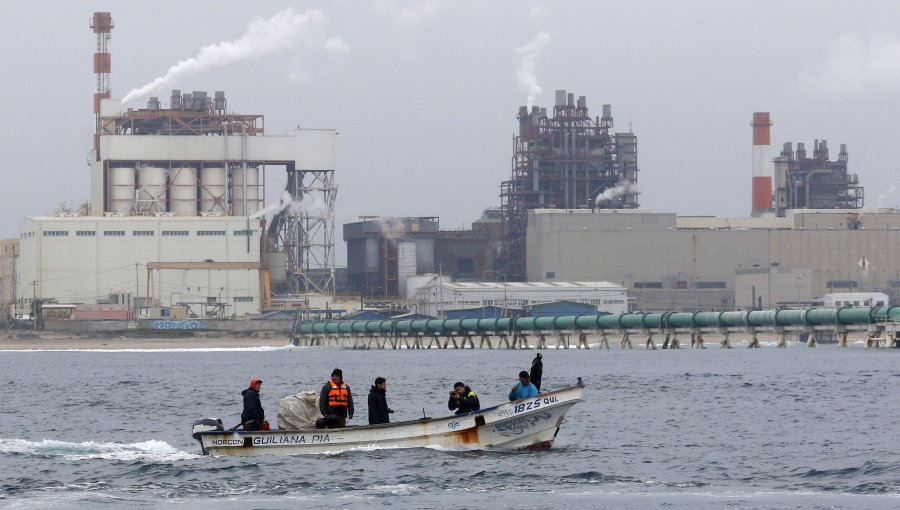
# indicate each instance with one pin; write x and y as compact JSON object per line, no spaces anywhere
{"x":524,"y":389}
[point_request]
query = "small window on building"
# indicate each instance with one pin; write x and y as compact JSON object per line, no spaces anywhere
{"x":243,"y":232}
{"x":114,"y":233}
{"x":710,"y":285}
{"x":86,"y":233}
{"x":856,"y":303}
{"x":550,"y":274}
{"x":243,"y":299}
{"x":56,"y":233}
{"x":143,"y":233}
{"x":171,"y":233}
{"x":207,"y":233}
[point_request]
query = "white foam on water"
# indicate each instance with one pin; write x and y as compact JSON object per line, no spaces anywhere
{"x":149,"y":451}
{"x":164,"y":349}
{"x":400,"y":489}
{"x":376,"y":447}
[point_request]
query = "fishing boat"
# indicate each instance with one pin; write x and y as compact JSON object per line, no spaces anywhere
{"x":529,"y":423}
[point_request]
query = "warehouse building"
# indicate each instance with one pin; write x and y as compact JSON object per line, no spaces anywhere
{"x":439,"y":297}
{"x":685,"y":263}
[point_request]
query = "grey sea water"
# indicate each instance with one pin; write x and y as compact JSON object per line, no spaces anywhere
{"x":768,"y":428}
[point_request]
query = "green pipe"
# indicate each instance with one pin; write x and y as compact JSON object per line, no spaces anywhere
{"x":668,"y":320}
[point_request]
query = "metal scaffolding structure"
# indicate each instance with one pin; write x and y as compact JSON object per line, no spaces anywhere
{"x":306,"y":234}
{"x":567,"y":161}
{"x":815,"y":182}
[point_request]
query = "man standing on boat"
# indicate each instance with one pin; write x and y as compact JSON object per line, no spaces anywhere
{"x":537,"y":370}
{"x":378,"y":408}
{"x":524,"y":389}
{"x":336,"y":399}
{"x":463,"y":399}
{"x":253,"y":414}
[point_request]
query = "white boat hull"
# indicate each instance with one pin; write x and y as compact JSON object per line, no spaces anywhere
{"x":528,"y":423}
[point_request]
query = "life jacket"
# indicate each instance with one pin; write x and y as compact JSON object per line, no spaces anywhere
{"x":338,"y":396}
{"x":477,"y":405}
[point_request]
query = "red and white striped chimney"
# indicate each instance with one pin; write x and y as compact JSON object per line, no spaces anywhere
{"x":762,"y":164}
{"x":102,"y":25}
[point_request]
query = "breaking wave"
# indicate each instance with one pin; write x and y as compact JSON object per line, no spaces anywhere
{"x":148,"y":451}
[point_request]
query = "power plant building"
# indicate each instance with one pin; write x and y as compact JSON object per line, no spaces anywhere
{"x":209,"y":264}
{"x":176,"y":190}
{"x":567,"y":160}
{"x":700,"y":263}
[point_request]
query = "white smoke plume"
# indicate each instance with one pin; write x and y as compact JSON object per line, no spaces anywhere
{"x":282,"y":31}
{"x":855,"y":66}
{"x":882,"y":198}
{"x":525,"y":71}
{"x":308,"y":204}
{"x":615,"y":192}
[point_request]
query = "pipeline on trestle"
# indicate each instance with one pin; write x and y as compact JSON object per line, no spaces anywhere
{"x":880,"y":324}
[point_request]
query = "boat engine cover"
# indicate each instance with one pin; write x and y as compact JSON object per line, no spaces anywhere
{"x":206,"y":425}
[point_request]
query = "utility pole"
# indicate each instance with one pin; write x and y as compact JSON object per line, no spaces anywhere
{"x":34,"y":309}
{"x":137,"y":289}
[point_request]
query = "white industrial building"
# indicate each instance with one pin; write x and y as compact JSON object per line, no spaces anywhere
{"x":439,"y":296}
{"x":173,"y":214}
{"x":91,"y":259}
{"x":838,"y":299}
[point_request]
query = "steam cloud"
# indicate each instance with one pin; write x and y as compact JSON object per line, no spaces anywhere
{"x":614,"y":192}
{"x":264,"y":36}
{"x":855,"y":66}
{"x":884,"y":196}
{"x":525,"y":71}
{"x":308,"y":204}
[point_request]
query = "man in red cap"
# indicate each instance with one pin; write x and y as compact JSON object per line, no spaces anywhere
{"x":253,"y":414}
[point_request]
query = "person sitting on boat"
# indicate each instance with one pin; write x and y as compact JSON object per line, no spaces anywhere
{"x":253,"y":414}
{"x":463,"y":399}
{"x":524,"y":389}
{"x":537,"y":371}
{"x":336,"y":400}
{"x":378,"y":408}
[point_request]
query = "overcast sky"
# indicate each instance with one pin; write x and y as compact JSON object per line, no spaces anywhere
{"x":425,"y":94}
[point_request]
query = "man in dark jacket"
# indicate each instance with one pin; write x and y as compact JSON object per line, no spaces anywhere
{"x":463,"y":399}
{"x":336,"y":400}
{"x":378,"y":408}
{"x":253,"y":414}
{"x":537,"y":370}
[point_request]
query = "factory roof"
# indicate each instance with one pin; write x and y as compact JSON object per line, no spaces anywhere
{"x":532,"y":285}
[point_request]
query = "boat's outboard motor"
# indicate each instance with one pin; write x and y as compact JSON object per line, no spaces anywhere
{"x":206,"y":425}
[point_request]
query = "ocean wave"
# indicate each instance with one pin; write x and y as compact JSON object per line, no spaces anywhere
{"x":148,"y":451}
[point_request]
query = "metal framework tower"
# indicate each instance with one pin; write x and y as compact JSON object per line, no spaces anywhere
{"x":567,"y":161}
{"x":305,"y":233}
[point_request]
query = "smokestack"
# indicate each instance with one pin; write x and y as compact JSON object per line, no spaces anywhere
{"x":101,"y":23}
{"x":762,"y":164}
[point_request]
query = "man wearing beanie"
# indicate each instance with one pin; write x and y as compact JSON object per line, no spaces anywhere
{"x":336,"y":401}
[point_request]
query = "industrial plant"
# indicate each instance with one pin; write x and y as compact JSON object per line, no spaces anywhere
{"x":176,"y":227}
{"x":570,"y":213}
{"x":173,"y":219}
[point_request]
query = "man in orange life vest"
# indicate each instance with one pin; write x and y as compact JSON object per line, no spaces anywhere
{"x":336,"y":400}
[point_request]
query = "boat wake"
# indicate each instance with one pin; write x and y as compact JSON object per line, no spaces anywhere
{"x":148,"y":451}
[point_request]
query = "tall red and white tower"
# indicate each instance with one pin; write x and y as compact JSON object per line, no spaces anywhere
{"x":102,"y":24}
{"x":762,"y":164}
